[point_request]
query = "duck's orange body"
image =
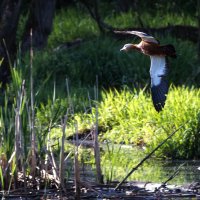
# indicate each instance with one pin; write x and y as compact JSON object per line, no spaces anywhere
{"x":158,"y":69}
{"x":152,"y":49}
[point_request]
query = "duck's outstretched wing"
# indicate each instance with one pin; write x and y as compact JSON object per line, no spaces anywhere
{"x":145,"y":37}
{"x":159,"y":83}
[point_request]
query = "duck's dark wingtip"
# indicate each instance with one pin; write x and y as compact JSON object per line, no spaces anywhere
{"x":159,"y":93}
{"x":159,"y":107}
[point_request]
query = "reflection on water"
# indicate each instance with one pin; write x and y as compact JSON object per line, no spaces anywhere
{"x":118,"y":160}
{"x":160,"y":171}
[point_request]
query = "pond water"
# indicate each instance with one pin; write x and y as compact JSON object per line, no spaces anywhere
{"x":160,"y":171}
{"x":118,"y":160}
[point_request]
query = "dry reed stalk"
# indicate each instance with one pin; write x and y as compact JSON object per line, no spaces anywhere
{"x":61,"y":167}
{"x":80,"y":144}
{"x":19,"y":142}
{"x":71,"y":106}
{"x":9,"y":163}
{"x":32,"y":125}
{"x":68,"y":155}
{"x":176,"y":172}
{"x":76,"y":166}
{"x":50,"y":157}
{"x":96,"y":142}
{"x":23,"y":91}
{"x":54,"y":168}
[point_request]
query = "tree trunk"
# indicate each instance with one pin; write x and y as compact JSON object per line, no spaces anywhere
{"x":9,"y":16}
{"x":40,"y":20}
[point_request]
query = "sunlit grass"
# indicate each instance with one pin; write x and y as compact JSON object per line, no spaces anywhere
{"x":128,"y":117}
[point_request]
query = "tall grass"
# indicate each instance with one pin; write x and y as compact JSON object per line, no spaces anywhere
{"x":14,"y":126}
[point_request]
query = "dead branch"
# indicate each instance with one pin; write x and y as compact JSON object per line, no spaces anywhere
{"x":61,"y":166}
{"x":172,"y":176}
{"x":32,"y":124}
{"x":96,"y":142}
{"x":93,"y":9}
{"x":76,"y":167}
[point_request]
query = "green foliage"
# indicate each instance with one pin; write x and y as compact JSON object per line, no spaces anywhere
{"x":125,"y":116}
{"x":13,"y":104}
{"x":75,"y":22}
{"x":1,"y":178}
{"x":128,"y":117}
{"x":117,"y":160}
{"x":157,"y":20}
{"x":71,"y":24}
{"x":21,"y":27}
{"x":48,"y":117}
{"x":101,"y":56}
{"x":133,"y":119}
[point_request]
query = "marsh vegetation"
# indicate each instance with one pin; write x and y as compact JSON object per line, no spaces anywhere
{"x":80,"y":85}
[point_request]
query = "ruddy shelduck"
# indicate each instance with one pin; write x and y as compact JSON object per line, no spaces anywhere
{"x":159,"y":65}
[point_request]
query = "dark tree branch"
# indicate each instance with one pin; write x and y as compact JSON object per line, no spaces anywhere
{"x":93,"y":9}
{"x":179,"y":31}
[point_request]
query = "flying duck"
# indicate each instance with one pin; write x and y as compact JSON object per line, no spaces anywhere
{"x":159,"y":66}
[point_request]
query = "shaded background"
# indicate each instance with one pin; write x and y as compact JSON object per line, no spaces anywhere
{"x":77,"y":39}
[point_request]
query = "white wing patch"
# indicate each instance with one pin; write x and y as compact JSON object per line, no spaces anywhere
{"x":157,"y":69}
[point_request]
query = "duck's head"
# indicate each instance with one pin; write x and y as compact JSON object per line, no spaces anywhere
{"x":127,"y":47}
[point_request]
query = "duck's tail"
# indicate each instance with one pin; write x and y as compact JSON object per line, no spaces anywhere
{"x":169,"y":50}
